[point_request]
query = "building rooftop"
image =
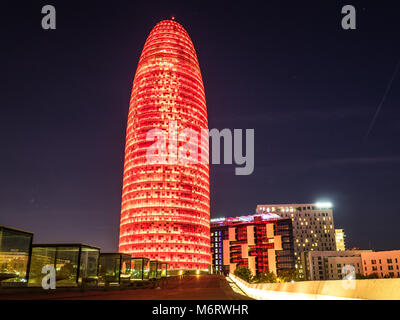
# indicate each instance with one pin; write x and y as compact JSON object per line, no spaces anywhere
{"x":15,"y":229}
{"x":249,"y":218}
{"x":64,"y":245}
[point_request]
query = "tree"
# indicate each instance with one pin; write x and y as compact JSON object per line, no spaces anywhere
{"x":243,"y":273}
{"x":265,"y":277}
{"x":289,"y":275}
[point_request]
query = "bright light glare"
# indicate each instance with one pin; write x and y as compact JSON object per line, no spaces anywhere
{"x":324,"y":204}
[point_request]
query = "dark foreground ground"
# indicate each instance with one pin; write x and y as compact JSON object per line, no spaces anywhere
{"x":204,"y":287}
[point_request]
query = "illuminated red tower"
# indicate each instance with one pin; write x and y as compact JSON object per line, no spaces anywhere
{"x":165,"y":210}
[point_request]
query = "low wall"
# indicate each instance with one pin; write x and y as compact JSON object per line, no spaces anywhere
{"x":371,"y":289}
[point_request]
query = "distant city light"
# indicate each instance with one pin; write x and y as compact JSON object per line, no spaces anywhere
{"x":324,"y":204}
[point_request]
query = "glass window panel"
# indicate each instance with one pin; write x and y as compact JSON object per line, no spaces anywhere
{"x":137,"y":272}
{"x":109,"y":268}
{"x":41,"y":256}
{"x":88,"y":263}
{"x":14,"y":255}
{"x":67,"y":265}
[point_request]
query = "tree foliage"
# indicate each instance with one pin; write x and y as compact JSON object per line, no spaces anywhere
{"x":243,"y":273}
{"x":265,"y":277}
{"x":370,"y":276}
{"x":289,"y":275}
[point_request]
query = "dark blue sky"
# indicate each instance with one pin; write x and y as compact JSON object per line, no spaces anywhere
{"x":286,"y":69}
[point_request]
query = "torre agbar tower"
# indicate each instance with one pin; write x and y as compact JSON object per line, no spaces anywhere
{"x":165,"y":209}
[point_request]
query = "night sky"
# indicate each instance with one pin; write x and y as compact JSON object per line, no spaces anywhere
{"x":287,"y":69}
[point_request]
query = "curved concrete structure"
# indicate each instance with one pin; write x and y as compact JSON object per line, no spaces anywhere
{"x":369,"y":289}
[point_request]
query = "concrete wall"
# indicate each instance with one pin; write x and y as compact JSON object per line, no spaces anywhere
{"x":371,"y":289}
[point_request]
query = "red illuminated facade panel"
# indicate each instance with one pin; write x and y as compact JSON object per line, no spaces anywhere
{"x":165,"y":212}
{"x":259,"y":242}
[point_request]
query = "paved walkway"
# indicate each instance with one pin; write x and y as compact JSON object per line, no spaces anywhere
{"x":204,"y":287}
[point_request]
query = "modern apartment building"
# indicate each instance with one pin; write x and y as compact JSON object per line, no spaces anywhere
{"x":340,"y":239}
{"x":383,"y":263}
{"x":331,"y":265}
{"x":313,"y":227}
{"x":260,"y":242}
